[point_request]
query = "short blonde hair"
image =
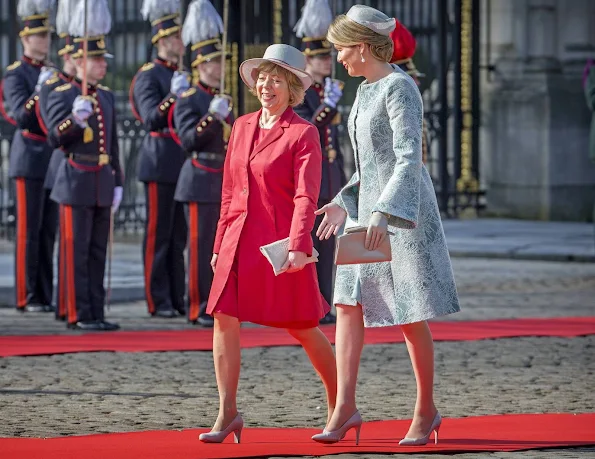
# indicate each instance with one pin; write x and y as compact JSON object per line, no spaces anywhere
{"x":345,"y":32}
{"x":297,"y":91}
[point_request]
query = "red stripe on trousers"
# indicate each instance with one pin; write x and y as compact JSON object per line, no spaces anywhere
{"x":21,"y":250}
{"x":193,"y":273}
{"x":150,"y":246}
{"x":69,"y":250}
{"x":62,"y":268}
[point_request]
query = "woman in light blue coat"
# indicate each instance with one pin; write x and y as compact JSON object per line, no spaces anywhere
{"x":391,"y":189}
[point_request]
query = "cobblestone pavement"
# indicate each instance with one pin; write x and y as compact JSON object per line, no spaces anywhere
{"x":108,"y":392}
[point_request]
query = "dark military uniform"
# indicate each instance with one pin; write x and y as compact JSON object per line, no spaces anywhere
{"x":159,"y":165}
{"x":50,"y":177}
{"x":84,"y":187}
{"x":324,"y":118}
{"x":36,"y":213}
{"x":205,"y":140}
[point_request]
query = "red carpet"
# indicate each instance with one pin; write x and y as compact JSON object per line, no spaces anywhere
{"x":487,"y":433}
{"x":201,"y":339}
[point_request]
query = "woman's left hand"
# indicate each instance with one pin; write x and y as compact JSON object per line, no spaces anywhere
{"x":295,"y":262}
{"x":377,"y":230}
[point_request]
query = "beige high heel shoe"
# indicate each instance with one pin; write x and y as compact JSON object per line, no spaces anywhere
{"x":424,"y":440}
{"x":234,"y":426}
{"x":327,"y":436}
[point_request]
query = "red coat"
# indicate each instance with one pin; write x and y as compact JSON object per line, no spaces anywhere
{"x":269,"y":193}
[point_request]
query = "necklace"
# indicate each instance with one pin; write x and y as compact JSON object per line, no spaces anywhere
{"x":262,"y":124}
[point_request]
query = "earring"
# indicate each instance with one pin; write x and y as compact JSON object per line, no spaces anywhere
{"x":362,"y":56}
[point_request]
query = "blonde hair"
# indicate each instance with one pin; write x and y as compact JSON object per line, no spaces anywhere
{"x":345,"y":32}
{"x":297,"y":91}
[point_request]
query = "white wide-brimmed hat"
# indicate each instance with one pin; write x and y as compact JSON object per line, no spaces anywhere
{"x":285,"y":56}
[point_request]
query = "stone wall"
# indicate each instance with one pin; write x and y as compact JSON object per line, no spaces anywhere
{"x":535,"y":126}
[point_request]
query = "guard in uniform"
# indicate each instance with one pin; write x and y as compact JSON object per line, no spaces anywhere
{"x":320,"y":108}
{"x":153,"y":91}
{"x":88,"y":183}
{"x":202,"y":119}
{"x":36,"y":214}
{"x":404,"y":49}
{"x":63,"y":16}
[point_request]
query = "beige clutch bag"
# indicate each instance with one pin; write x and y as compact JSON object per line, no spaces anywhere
{"x":351,"y":250}
{"x":277,"y":253}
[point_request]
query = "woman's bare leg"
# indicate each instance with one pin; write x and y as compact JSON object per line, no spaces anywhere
{"x":227,"y":358}
{"x":319,"y":350}
{"x":421,"y":351}
{"x":349,"y":342}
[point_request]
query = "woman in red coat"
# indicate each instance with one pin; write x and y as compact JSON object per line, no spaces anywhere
{"x":271,"y":182}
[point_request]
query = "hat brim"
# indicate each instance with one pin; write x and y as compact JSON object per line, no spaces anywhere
{"x":79,"y":55}
{"x":248,"y":67}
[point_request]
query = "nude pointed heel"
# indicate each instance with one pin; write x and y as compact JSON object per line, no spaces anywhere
{"x":436,"y":423}
{"x":328,"y":436}
{"x":234,"y":426}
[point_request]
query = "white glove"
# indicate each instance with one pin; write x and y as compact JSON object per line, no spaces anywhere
{"x":118,"y":192}
{"x":82,"y":109}
{"x":219,"y":106}
{"x":332,"y":92}
{"x":45,"y":74}
{"x":179,"y":83}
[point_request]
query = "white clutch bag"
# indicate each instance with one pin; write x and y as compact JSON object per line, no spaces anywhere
{"x":277,"y":253}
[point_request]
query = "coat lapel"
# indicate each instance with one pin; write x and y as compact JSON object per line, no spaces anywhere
{"x":274,"y":133}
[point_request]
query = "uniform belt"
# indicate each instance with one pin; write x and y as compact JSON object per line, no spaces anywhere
{"x":208,"y":156}
{"x":101,"y":160}
{"x":161,"y":134}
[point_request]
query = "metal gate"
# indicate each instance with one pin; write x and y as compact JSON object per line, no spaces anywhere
{"x":447,"y":34}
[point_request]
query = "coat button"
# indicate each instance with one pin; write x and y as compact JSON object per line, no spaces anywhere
{"x":245,"y":190}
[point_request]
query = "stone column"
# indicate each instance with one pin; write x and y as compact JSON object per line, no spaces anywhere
{"x":536,"y":122}
{"x":541,"y":34}
{"x":577,"y":33}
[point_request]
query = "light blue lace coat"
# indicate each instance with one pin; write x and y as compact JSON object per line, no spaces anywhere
{"x":385,"y":127}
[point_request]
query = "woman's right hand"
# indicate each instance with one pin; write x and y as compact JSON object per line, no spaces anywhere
{"x":334,"y":218}
{"x":214,"y":261}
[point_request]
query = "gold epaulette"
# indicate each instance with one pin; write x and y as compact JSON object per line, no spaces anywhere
{"x":52,"y":80}
{"x":64,"y":87}
{"x":188,"y":92}
{"x":14,"y":65}
{"x":147,"y":66}
{"x":105,"y":88}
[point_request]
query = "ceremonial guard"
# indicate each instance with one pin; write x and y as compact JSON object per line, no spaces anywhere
{"x":320,"y":108}
{"x":36,"y":215}
{"x":82,"y":122}
{"x":403,"y":51}
{"x":153,"y":91}
{"x":202,"y":118}
{"x":64,"y":13}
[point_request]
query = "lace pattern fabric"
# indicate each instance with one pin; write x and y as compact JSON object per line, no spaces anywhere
{"x":385,"y":127}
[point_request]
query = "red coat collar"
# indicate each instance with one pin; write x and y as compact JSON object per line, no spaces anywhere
{"x":163,"y":62}
{"x":208,"y":89}
{"x":79,"y":84}
{"x":31,"y":61}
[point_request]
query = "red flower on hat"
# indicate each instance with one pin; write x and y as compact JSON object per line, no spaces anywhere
{"x":404,"y":43}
